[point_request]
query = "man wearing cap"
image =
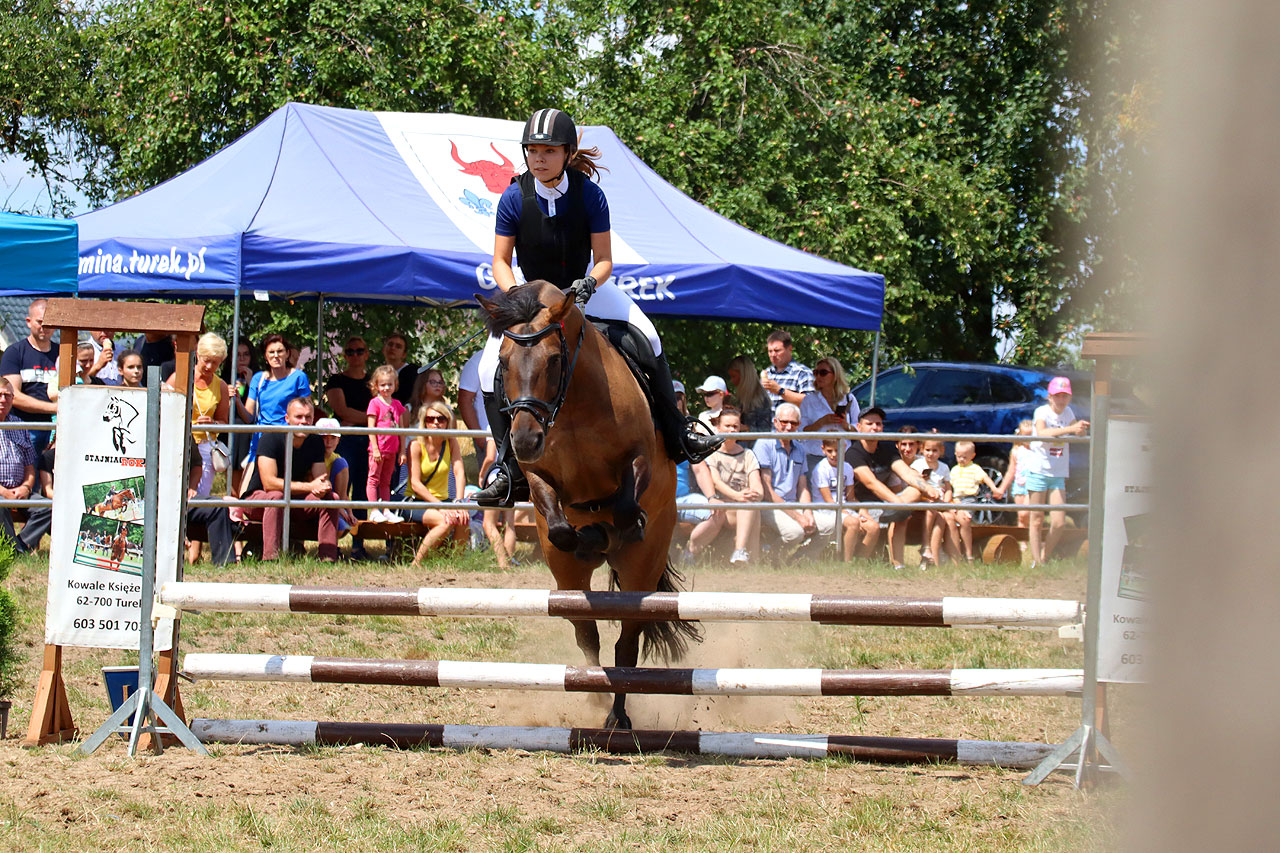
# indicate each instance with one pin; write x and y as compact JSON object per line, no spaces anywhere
{"x":880,"y":474}
{"x":713,"y":392}
{"x":784,"y":380}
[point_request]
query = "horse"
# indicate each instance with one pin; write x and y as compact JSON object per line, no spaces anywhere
{"x":114,"y":502}
{"x":119,"y":545}
{"x":599,"y":474}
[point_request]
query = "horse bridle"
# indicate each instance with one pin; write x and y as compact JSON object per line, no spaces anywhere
{"x":542,"y":411}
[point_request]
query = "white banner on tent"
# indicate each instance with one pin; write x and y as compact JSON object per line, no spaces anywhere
{"x":95,"y":556}
{"x":1123,"y":617}
{"x":481,"y":156}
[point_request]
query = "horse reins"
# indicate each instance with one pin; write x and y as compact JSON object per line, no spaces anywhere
{"x":542,"y":411}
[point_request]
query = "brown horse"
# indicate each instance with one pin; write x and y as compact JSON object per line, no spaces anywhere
{"x":118,"y":547}
{"x":599,"y":474}
{"x":114,"y":503}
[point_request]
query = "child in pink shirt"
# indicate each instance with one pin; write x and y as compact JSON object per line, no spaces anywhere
{"x":385,"y":455}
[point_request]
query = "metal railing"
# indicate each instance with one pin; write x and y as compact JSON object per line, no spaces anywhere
{"x":287,"y":502}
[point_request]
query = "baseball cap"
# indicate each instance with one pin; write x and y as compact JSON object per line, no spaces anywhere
{"x":1059,"y":385}
{"x":328,"y":423}
{"x":678,"y":386}
{"x":871,"y":410}
{"x":713,"y":383}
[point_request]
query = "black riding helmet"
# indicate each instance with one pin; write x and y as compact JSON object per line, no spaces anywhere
{"x":550,"y":127}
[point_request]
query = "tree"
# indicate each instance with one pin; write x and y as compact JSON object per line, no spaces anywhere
{"x":943,"y":145}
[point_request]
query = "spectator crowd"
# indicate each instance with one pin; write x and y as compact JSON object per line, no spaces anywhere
{"x":801,"y":466}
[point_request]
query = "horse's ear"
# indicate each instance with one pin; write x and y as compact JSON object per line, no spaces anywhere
{"x":488,"y":305}
{"x":559,"y":313}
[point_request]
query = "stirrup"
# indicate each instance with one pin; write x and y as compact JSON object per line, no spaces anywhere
{"x":504,"y":490}
{"x":698,"y":443}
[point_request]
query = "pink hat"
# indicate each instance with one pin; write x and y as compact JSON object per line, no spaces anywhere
{"x":1059,"y":385}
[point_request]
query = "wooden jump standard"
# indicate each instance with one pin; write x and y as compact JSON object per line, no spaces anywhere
{"x":598,"y":679}
{"x":660,"y":606}
{"x":884,"y":750}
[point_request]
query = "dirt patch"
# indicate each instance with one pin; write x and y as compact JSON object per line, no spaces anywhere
{"x":249,"y":797}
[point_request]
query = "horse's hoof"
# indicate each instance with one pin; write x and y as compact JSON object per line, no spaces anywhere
{"x":613,"y":721}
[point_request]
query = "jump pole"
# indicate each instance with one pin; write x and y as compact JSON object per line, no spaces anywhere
{"x":617,"y":679}
{"x":882,"y":750}
{"x":651,"y":606}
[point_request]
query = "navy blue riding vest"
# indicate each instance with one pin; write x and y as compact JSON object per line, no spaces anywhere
{"x":556,"y":248}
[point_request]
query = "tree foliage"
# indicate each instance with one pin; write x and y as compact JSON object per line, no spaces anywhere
{"x":974,"y":153}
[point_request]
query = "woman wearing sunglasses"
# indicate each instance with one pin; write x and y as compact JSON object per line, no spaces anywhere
{"x":348,"y":396}
{"x":432,"y":458}
{"x":829,"y":406}
{"x":271,"y":390}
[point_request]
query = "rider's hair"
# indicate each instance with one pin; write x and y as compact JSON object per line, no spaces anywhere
{"x":586,"y":161}
{"x":381,"y":372}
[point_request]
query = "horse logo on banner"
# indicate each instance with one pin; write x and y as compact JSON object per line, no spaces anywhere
{"x":121,"y":415}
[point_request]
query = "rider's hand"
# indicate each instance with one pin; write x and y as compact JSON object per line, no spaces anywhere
{"x":582,"y":289}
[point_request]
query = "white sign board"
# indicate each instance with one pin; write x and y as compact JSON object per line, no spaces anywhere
{"x":1125,"y":577}
{"x":95,"y":555}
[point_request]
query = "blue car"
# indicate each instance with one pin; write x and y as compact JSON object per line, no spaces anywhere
{"x":960,"y":397}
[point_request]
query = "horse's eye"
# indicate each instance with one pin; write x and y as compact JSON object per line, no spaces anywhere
{"x":553,"y":363}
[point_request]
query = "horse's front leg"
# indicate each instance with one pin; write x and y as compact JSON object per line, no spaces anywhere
{"x":559,"y":531}
{"x":568,"y":570}
{"x":626,"y":652}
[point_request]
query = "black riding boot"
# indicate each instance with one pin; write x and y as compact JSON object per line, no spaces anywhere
{"x":679,"y":431}
{"x":507,"y":483}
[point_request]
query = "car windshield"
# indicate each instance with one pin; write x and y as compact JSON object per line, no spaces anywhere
{"x":893,"y":390}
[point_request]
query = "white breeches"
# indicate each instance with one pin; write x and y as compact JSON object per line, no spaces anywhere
{"x":608,"y":303}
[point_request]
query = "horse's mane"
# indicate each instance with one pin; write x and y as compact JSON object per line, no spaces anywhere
{"x":520,"y":304}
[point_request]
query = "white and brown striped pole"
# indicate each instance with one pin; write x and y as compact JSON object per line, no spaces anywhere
{"x":884,"y":750}
{"x":654,"y":680}
{"x":649,"y":606}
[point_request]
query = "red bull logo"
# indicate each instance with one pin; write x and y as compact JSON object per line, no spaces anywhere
{"x":496,"y":176}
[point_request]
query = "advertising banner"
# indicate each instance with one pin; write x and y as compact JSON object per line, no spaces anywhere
{"x":95,"y":555}
{"x":1125,"y":575}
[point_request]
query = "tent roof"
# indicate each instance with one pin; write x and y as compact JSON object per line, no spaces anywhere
{"x":378,"y":206}
{"x":37,"y":255}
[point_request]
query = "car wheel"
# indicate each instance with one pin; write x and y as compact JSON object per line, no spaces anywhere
{"x":995,"y":468}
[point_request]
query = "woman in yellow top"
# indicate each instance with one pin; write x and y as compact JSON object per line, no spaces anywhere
{"x":432,"y":458}
{"x":210,"y":401}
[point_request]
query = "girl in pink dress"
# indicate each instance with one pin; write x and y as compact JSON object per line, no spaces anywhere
{"x":385,"y":455}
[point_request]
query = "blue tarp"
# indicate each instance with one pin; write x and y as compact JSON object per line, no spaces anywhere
{"x":378,"y":206}
{"x":37,"y":255}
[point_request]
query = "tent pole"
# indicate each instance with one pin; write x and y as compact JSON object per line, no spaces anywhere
{"x":319,"y":337}
{"x":235,"y":358}
{"x":875,"y":367}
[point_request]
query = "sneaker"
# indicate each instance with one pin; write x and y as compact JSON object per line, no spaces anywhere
{"x":375,"y":516}
{"x":392,"y":517}
{"x":899,"y":567}
{"x":739,"y":556}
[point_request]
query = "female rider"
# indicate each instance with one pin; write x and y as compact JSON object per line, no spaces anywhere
{"x":557,"y":223}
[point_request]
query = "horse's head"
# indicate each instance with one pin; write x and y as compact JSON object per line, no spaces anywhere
{"x":537,"y":323}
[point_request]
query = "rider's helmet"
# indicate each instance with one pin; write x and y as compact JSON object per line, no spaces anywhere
{"x":550,"y":127}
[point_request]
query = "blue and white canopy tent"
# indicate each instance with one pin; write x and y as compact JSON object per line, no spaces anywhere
{"x":400,"y":206}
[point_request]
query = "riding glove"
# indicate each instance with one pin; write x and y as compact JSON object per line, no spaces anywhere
{"x":582,"y":289}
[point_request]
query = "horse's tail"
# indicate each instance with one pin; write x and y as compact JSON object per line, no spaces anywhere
{"x":666,"y":641}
